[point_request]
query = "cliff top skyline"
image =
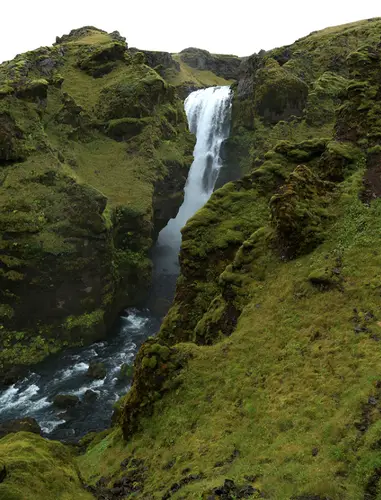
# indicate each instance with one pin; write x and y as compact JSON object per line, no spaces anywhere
{"x":220,"y":27}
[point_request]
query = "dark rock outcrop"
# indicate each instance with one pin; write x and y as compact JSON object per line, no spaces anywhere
{"x":155,"y":371}
{"x":26,"y":424}
{"x":65,"y":401}
{"x":3,"y":472}
{"x":226,"y":66}
{"x":90,"y":396}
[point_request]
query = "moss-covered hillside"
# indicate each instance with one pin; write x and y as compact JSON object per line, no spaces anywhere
{"x":94,"y":154}
{"x":265,"y":379}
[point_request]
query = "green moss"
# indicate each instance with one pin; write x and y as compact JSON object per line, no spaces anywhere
{"x":84,"y":322}
{"x":38,"y":468}
{"x":279,"y":287}
{"x":292,"y":356}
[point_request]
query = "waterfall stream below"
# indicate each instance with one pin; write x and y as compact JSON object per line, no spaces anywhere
{"x":208,"y":113}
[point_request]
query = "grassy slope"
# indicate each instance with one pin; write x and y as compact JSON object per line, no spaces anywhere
{"x":291,"y":399}
{"x":293,"y":376}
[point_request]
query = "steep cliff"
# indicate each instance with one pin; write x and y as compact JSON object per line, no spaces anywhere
{"x":94,"y":154}
{"x":264,"y":381}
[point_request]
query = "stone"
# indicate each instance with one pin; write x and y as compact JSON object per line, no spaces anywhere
{"x":65,"y":401}
{"x":96,"y":370}
{"x":26,"y":424}
{"x":90,"y":396}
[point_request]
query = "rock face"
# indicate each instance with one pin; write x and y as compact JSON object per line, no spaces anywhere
{"x":89,"y":137}
{"x":26,"y":424}
{"x":90,"y":396}
{"x":226,"y":66}
{"x":159,"y":61}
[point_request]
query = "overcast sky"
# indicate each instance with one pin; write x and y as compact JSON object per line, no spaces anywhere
{"x":226,"y":26}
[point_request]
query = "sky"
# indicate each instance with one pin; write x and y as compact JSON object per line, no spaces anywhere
{"x":239,"y":27}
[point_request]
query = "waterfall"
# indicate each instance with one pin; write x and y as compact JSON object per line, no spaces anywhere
{"x":208,"y":113}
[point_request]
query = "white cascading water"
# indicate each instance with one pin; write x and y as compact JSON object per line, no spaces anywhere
{"x":208,"y":113}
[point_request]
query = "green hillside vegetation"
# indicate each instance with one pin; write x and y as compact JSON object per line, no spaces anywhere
{"x":265,"y":378}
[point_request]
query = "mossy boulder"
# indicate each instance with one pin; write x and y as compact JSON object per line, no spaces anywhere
{"x":96,"y":370}
{"x":126,"y":371}
{"x":135,"y":98}
{"x":298,"y":212}
{"x":99,"y":60}
{"x":38,"y":468}
{"x":123,"y":129}
{"x":34,"y":89}
{"x":155,"y":370}
{"x":302,"y":151}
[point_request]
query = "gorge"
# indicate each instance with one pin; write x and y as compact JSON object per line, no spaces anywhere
{"x":257,"y":369}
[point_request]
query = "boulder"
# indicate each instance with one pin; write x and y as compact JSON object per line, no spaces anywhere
{"x":90,"y":396}
{"x":65,"y":401}
{"x":26,"y":424}
{"x":96,"y":370}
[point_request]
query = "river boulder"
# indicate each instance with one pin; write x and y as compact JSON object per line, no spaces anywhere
{"x":90,"y":396}
{"x":96,"y":370}
{"x":65,"y":401}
